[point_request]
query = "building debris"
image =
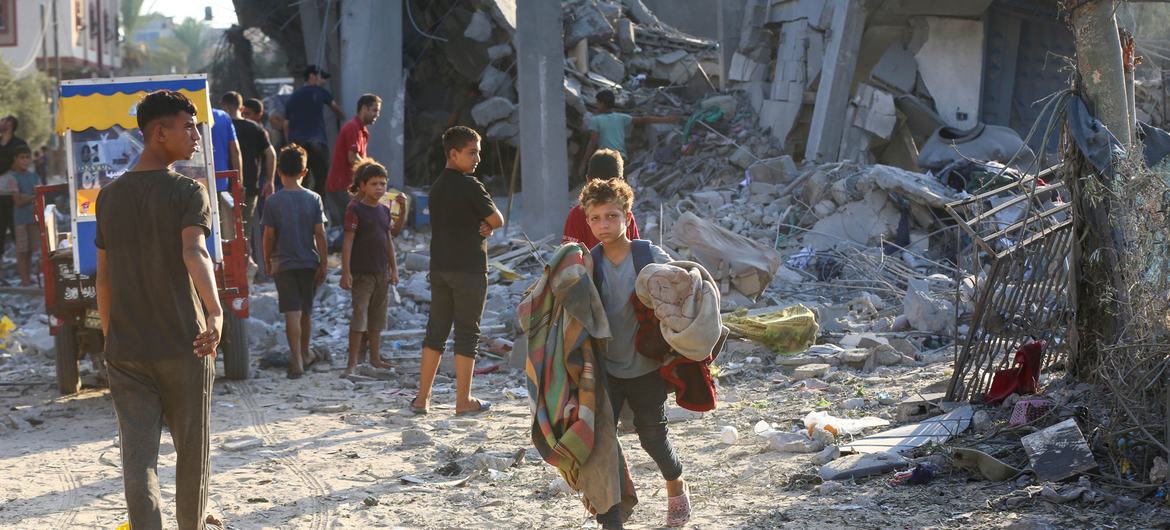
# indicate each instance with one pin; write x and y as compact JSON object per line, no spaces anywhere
{"x":1059,"y":452}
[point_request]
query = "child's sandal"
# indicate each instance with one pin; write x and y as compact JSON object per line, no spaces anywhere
{"x":678,"y":509}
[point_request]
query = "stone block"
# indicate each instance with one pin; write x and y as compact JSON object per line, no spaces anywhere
{"x":492,"y":110}
{"x":479,"y":29}
{"x":607,"y":65}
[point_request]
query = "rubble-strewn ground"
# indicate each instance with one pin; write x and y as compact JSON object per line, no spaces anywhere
{"x":323,"y":452}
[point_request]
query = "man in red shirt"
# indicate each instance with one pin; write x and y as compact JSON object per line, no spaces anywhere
{"x":347,"y":152}
{"x":604,"y":164}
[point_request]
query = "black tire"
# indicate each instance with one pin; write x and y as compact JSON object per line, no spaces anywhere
{"x":68,"y":363}
{"x":234,"y":347}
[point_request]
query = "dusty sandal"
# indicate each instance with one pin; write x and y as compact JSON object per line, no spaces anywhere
{"x":678,"y":509}
{"x":417,"y":409}
{"x":484,"y":406}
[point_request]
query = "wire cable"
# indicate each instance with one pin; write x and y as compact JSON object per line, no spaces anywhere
{"x":410,"y":15}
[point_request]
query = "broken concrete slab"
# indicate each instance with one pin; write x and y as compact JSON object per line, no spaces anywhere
{"x":607,"y":65}
{"x":875,"y":112}
{"x":495,"y":82}
{"x":677,"y":67}
{"x":950,"y":62}
{"x":499,"y":51}
{"x":864,"y":465}
{"x":743,"y":68}
{"x":1059,"y":452}
{"x":897,"y":68}
{"x":711,"y":199}
{"x":725,"y":103}
{"x":810,"y":371}
{"x":927,"y":311}
{"x":901,"y":439}
{"x":916,"y":187}
{"x":504,"y":130}
{"x":588,"y":22}
{"x":479,"y":29}
{"x":742,"y":158}
{"x":858,"y":223}
{"x":793,"y":442}
{"x":625,"y":35}
{"x":492,"y":110}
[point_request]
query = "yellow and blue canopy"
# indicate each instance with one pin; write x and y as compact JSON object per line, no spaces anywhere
{"x":101,"y":105}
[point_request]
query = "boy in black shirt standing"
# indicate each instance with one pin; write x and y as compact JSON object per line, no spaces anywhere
{"x":463,"y":216}
{"x":160,"y":312}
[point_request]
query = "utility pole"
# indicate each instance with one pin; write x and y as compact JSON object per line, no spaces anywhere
{"x":544,"y":165}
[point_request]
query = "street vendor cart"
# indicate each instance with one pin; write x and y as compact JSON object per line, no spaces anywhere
{"x":102,"y":141}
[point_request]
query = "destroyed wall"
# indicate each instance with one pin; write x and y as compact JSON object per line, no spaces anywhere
{"x":918,"y":66}
{"x":458,"y":54}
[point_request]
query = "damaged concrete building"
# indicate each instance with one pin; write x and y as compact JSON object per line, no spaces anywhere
{"x":873,"y":81}
{"x":896,"y":82}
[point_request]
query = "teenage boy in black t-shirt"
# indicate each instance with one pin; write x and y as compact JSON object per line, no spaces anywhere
{"x":160,"y":312}
{"x":463,"y":216}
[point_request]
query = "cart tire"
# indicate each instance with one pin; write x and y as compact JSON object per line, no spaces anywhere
{"x":235,"y":347}
{"x":68,"y":364}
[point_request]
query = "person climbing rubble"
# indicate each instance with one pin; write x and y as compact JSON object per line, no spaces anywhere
{"x":609,"y":128}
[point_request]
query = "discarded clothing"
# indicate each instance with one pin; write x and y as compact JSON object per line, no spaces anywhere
{"x":573,"y":427}
{"x":1022,"y":377}
{"x":1093,"y":139}
{"x":1156,"y":144}
{"x":982,"y":142}
{"x":789,"y":330}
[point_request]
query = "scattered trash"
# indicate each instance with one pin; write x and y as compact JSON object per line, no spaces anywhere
{"x":728,"y":435}
{"x":921,"y":473}
{"x":982,"y":464}
{"x":840,"y":426}
{"x":1029,"y":410}
{"x":785,"y":331}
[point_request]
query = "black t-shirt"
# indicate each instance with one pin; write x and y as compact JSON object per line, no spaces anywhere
{"x":8,"y":153}
{"x":253,"y":140}
{"x":155,"y":312}
{"x":458,"y":203}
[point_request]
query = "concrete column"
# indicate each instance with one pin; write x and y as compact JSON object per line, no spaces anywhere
{"x":543,"y":149}
{"x":371,"y":48}
{"x":828,"y":119}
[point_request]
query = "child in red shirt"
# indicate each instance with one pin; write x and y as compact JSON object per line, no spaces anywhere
{"x":604,"y":164}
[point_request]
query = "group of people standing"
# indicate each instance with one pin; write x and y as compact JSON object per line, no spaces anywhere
{"x":161,"y":362}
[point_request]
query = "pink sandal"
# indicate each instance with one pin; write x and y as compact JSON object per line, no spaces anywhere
{"x":678,"y":509}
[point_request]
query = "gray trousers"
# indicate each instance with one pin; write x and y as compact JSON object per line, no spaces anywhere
{"x":146,"y":395}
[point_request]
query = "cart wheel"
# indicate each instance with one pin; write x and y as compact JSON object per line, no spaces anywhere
{"x":68,"y":365}
{"x":235,"y":347}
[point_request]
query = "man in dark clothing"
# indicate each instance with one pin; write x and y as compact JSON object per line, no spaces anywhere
{"x":463,"y":216}
{"x":258,"y":156}
{"x":9,"y":143}
{"x":306,"y":123}
{"x":160,"y":312}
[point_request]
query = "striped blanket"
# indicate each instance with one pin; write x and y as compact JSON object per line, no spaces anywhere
{"x":573,"y":426}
